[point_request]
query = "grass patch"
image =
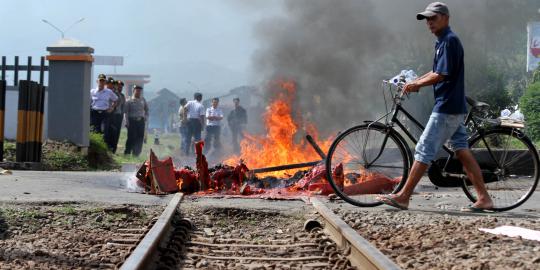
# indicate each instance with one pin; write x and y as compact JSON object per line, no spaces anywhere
{"x":169,"y":145}
{"x":115,"y":217}
{"x":68,"y":210}
{"x":65,"y":156}
{"x":10,"y":150}
{"x":64,"y":161}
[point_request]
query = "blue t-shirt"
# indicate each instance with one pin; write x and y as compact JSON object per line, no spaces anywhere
{"x":448,"y":61}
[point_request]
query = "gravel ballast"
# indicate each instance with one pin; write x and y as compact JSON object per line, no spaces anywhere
{"x":66,"y":235}
{"x":233,"y":227}
{"x":424,"y":240}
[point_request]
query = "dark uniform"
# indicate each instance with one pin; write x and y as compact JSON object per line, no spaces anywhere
{"x":237,"y":120}
{"x":136,"y":115}
{"x":115,"y":119}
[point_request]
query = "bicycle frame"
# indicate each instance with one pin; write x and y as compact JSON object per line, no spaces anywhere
{"x":397,"y":109}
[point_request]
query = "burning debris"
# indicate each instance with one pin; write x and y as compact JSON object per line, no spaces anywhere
{"x":277,"y":157}
{"x":161,"y":177}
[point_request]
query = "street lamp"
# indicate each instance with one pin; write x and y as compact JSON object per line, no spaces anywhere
{"x":60,"y":30}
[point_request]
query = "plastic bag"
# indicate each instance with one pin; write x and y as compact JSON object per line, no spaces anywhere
{"x":409,"y":76}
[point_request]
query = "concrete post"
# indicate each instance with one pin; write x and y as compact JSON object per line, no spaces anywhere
{"x":70,"y":71}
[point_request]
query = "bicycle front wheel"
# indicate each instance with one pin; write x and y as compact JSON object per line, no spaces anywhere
{"x":365,"y":161}
{"x":510,"y":167}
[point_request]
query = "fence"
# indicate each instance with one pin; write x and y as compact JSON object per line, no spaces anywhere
{"x":30,"y":108}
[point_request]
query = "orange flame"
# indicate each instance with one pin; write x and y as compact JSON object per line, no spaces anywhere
{"x":280,"y":145}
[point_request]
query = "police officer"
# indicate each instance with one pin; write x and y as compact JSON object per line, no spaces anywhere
{"x":116,"y":117}
{"x":237,"y":120}
{"x":136,"y":111}
{"x":102,"y":103}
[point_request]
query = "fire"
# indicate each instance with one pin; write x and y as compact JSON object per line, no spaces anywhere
{"x":281,"y":144}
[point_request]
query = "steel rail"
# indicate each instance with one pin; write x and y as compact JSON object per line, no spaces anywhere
{"x":143,"y":254}
{"x":363,"y":255}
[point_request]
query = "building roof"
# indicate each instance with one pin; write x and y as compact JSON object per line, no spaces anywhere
{"x":163,"y":95}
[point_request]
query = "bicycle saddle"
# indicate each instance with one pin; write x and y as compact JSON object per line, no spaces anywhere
{"x":476,"y":104}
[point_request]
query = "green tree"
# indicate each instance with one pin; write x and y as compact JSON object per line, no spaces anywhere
{"x":530,"y":106}
{"x":536,"y":75}
{"x":494,"y":91}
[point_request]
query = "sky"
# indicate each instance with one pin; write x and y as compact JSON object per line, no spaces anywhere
{"x":182,"y":44}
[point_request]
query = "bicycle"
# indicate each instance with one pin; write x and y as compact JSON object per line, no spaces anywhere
{"x":374,"y":158}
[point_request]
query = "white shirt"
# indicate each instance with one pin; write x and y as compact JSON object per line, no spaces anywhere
{"x":213,"y":112}
{"x":101,"y":100}
{"x":195,"y":109}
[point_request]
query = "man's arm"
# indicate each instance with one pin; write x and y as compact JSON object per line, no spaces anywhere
{"x":219,"y":115}
{"x":126,"y":113}
{"x":201,"y":116}
{"x":146,"y":110}
{"x":209,"y":116}
{"x":243,"y":120}
{"x":429,"y":78}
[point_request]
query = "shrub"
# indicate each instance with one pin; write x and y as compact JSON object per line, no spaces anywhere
{"x":99,"y":156}
{"x":530,"y":107}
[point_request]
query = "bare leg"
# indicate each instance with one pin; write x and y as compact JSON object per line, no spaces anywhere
{"x":417,"y":171}
{"x":475,"y":176}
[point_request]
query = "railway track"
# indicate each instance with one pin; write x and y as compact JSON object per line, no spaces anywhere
{"x":325,"y":242}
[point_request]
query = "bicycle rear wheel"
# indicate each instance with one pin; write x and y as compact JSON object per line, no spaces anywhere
{"x":367,"y":160}
{"x":509,"y":164}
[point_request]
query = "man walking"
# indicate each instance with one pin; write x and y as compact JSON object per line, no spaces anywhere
{"x":446,"y":120}
{"x":102,"y":103}
{"x":136,"y":115}
{"x":237,"y":120}
{"x":195,"y":122}
{"x":214,"y":115}
{"x":182,"y":115}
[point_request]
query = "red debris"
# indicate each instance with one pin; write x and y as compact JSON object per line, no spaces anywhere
{"x":316,"y":173}
{"x":202,"y":167}
{"x":372,"y":184}
{"x":157,"y":176}
{"x":186,"y":180}
{"x":228,"y":177}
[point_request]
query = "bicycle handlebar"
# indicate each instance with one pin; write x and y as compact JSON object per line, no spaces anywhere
{"x":399,"y":86}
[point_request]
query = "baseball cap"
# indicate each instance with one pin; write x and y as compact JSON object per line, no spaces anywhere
{"x":110,"y":80}
{"x":137,"y":87}
{"x":102,"y":77}
{"x":432,"y":10}
{"x":121,"y":83}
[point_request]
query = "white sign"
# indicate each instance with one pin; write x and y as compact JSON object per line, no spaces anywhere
{"x":533,"y":45}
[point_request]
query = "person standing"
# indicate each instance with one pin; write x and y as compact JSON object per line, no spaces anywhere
{"x":214,"y":115}
{"x":108,"y":126}
{"x":182,"y":115}
{"x":195,"y":120}
{"x":136,"y":116}
{"x":102,"y":103}
{"x":446,"y":120}
{"x":237,"y":120}
{"x":116,"y":117}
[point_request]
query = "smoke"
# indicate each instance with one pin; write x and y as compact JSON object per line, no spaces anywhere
{"x":339,"y":51}
{"x":324,"y":46}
